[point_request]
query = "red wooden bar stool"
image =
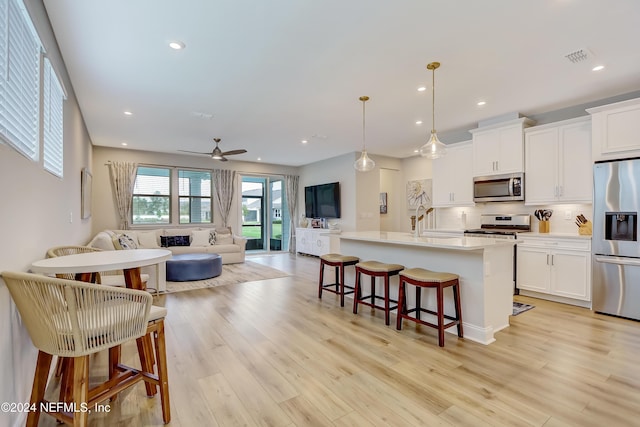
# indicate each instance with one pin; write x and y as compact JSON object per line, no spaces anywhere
{"x":375,"y":269}
{"x":339,"y":262}
{"x":422,"y":278}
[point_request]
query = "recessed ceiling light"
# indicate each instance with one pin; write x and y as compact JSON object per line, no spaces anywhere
{"x":598,"y":68}
{"x":259,"y":158}
{"x":128,"y":113}
{"x":422,"y":88}
{"x":481,"y":103}
{"x":124,"y":143}
{"x":416,"y":151}
{"x":304,"y":141}
{"x":418,"y":122}
{"x":177,"y":45}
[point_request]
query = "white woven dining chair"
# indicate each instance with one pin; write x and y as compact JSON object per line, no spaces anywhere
{"x":74,"y":319}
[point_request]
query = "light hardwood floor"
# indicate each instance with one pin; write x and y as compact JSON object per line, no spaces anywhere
{"x":270,"y":353}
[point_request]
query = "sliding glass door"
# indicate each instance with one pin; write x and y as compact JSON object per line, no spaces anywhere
{"x":265,"y":216}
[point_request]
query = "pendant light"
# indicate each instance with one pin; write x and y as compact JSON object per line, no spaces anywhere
{"x":364,"y":163}
{"x":433,"y":148}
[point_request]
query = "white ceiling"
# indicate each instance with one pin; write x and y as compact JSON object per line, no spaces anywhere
{"x":272,"y":73}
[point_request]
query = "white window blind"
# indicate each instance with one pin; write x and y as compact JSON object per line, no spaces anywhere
{"x":152,"y":196}
{"x":20,"y":60}
{"x":52,"y":106}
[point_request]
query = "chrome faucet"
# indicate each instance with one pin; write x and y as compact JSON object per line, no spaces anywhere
{"x":419,"y":219}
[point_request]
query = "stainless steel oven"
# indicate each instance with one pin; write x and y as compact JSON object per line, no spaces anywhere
{"x":504,"y":227}
{"x":498,"y":188}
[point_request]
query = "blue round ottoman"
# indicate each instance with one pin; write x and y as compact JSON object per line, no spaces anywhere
{"x":187,"y":267}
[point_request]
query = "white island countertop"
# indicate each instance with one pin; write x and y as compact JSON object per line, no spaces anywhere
{"x":404,"y":238}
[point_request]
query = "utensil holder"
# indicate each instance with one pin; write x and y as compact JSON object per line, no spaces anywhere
{"x":543,"y":227}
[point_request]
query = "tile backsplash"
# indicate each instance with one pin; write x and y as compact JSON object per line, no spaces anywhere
{"x":469,"y":217}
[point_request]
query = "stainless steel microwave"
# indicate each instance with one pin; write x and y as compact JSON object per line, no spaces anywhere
{"x":498,"y":188}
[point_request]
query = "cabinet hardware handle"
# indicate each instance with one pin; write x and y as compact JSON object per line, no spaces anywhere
{"x":497,"y":165}
{"x":552,"y":259}
{"x":547,"y":259}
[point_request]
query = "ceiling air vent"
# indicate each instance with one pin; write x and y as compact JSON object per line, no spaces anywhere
{"x":579,"y":55}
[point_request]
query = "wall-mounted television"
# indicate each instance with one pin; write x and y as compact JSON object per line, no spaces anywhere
{"x":322,"y":201}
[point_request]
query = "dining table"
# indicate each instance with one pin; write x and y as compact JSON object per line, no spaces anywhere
{"x":86,"y":265}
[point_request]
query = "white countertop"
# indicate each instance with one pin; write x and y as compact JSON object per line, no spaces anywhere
{"x":552,"y":235}
{"x":405,"y":238}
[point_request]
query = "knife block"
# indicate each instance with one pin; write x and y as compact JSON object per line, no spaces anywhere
{"x":543,"y":226}
{"x":586,"y":229}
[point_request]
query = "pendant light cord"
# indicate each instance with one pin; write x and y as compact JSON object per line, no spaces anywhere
{"x":433,"y":101}
{"x":363,"y":127}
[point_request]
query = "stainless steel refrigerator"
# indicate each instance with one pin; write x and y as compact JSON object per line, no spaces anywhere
{"x":615,"y":246}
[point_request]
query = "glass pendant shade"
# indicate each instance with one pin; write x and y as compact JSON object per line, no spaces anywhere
{"x":434,"y":148}
{"x":364,"y":163}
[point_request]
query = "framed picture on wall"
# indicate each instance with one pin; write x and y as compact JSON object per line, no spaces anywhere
{"x":419,"y":193}
{"x":85,"y":193}
{"x":383,"y":203}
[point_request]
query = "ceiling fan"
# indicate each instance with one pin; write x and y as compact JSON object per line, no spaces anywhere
{"x":217,"y":153}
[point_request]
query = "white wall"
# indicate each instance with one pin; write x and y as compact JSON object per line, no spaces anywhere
{"x":36,"y":211}
{"x":105,"y":213}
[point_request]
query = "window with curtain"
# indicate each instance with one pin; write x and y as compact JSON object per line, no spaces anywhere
{"x":194,"y":190}
{"x":152,"y":196}
{"x":20,"y":50}
{"x":52,"y":120}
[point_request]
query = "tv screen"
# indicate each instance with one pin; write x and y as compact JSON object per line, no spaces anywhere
{"x":322,"y":201}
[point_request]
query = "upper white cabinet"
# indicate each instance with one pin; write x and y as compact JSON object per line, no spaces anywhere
{"x":453,"y":177}
{"x":498,"y":149}
{"x":558,"y":166}
{"x":615,"y":130}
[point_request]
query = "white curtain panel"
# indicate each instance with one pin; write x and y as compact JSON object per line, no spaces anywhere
{"x":123,"y":178}
{"x":291,"y":191}
{"x":224,"y":185}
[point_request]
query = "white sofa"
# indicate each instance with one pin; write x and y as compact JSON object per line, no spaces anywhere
{"x":218,"y":240}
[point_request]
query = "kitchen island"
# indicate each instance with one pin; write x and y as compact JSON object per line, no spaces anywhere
{"x":485,"y":267}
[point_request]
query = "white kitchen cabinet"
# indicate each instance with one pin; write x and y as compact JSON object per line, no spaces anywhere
{"x":558,"y":166}
{"x":557,"y":267}
{"x":615,"y":129}
{"x":312,"y":241}
{"x":498,"y":149}
{"x":453,"y":177}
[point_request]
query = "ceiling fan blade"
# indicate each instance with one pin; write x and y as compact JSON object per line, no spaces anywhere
{"x":195,"y":152}
{"x":232,"y":152}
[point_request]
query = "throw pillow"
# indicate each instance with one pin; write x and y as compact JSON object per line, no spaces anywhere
{"x":224,"y":239}
{"x":200,"y":238}
{"x":147,"y":239}
{"x":124,"y":241}
{"x":212,"y":237}
{"x":166,"y":241}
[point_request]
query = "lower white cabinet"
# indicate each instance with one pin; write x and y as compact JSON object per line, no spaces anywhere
{"x":555,"y":266}
{"x":312,"y":241}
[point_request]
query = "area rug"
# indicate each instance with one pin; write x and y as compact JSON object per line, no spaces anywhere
{"x":519,"y":307}
{"x":231,"y":274}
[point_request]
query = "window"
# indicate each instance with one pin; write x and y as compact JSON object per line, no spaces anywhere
{"x":152,"y":196}
{"x":52,"y":121}
{"x":194,"y":189}
{"x":20,"y":50}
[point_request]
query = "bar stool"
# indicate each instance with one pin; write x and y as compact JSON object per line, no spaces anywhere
{"x":375,"y":269}
{"x":422,"y":278}
{"x":339,"y":262}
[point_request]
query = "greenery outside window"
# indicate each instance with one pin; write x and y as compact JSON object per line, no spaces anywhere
{"x":194,"y":189}
{"x":152,"y":196}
